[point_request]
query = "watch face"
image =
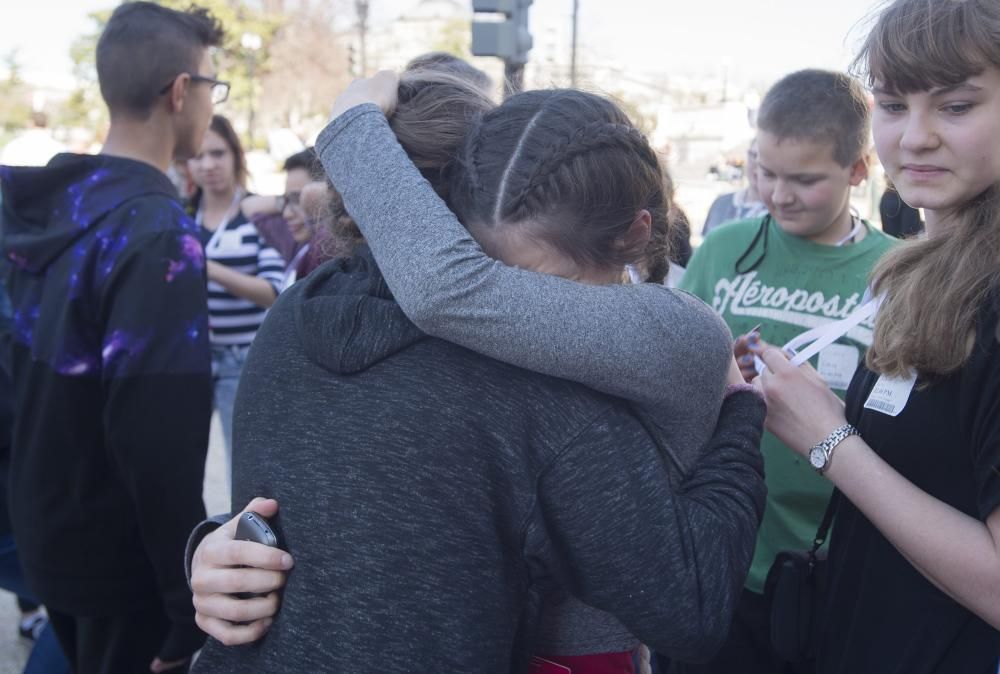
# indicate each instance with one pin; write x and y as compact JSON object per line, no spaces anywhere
{"x":817,"y":457}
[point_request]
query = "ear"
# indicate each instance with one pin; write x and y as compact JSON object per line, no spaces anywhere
{"x":639,"y":232}
{"x":178,"y":92}
{"x":859,"y":171}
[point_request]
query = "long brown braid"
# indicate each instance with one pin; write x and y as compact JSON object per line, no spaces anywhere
{"x":571,"y":167}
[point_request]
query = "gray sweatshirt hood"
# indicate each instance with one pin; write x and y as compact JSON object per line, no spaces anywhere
{"x":346,"y":316}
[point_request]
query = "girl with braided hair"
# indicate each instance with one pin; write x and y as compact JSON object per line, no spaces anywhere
{"x":558,"y":182}
{"x":561,"y":183}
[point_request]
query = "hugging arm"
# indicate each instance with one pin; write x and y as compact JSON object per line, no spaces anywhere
{"x":668,"y":562}
{"x":639,"y":342}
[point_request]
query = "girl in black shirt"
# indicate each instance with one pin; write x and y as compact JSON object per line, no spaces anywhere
{"x":915,"y":552}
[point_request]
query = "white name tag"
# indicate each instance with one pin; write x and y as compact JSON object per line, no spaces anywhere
{"x":890,"y":395}
{"x":837,"y":364}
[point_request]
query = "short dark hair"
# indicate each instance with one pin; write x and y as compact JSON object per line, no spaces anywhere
{"x":571,"y":168}
{"x":819,"y":105}
{"x":143,"y":46}
{"x":308,"y":161}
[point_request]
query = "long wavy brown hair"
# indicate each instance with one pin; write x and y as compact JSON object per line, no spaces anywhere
{"x":935,"y":288}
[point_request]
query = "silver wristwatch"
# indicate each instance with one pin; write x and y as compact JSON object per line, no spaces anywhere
{"x":821,"y":455}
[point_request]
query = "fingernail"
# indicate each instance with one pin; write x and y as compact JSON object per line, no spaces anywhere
{"x":754,"y":337}
{"x":747,"y":359}
{"x":286,"y":561}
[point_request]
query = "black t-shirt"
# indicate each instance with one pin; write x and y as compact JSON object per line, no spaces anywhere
{"x":883,"y":615}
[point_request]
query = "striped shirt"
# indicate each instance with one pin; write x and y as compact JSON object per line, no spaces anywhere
{"x":233,"y":321}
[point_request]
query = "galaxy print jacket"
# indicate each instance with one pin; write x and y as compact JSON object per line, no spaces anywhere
{"x":112,"y":391}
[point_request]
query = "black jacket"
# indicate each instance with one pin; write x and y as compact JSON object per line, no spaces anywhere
{"x":429,"y":496}
{"x":112,"y":392}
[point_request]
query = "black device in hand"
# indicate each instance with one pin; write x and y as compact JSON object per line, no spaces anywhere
{"x":254,"y":527}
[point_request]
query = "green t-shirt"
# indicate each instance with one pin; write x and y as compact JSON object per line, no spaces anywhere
{"x":798,"y":286}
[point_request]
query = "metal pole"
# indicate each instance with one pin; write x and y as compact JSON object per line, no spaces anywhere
{"x":572,"y":55}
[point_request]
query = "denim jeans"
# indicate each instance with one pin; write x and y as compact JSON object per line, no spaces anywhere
{"x":46,"y":656}
{"x":227,"y":365}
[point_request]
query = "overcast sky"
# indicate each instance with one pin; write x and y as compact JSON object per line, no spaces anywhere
{"x":754,"y":40}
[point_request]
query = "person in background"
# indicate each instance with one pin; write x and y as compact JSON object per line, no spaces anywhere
{"x":315,"y":236}
{"x":245,"y":274}
{"x":914,"y":563}
{"x":739,"y":205}
{"x":805,"y":264}
{"x":34,"y":147}
{"x":277,"y":218}
{"x":109,"y":356}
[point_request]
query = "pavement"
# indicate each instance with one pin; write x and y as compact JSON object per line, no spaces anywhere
{"x":14,"y":649}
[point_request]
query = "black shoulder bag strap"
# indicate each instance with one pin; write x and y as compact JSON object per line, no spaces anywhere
{"x":824,"y":525}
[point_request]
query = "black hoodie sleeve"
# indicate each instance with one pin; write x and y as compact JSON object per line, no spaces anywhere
{"x":157,"y":382}
{"x":668,"y":563}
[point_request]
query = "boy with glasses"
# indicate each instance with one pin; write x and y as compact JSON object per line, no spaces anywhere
{"x":110,"y":355}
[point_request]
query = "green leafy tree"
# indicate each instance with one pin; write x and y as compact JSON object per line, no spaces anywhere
{"x":85,"y":108}
{"x":309,"y":65}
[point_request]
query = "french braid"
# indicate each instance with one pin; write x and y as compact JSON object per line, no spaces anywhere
{"x":591,"y":137}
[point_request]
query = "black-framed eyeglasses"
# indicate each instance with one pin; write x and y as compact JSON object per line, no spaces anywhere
{"x":220,"y":89}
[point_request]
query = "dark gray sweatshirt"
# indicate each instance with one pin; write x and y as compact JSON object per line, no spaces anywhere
{"x":664,"y":349}
{"x":431,"y":496}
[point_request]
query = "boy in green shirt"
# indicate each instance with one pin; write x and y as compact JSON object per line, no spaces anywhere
{"x":803,"y":265}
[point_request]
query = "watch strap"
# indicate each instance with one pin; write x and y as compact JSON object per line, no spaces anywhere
{"x":830,"y":443}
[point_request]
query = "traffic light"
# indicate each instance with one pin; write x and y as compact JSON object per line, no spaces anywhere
{"x":508,"y":39}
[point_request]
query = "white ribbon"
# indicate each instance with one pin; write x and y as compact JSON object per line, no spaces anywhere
{"x":823,"y":336}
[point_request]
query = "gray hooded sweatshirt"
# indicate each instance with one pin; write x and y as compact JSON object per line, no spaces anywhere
{"x":431,"y":496}
{"x":661,"y":348}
